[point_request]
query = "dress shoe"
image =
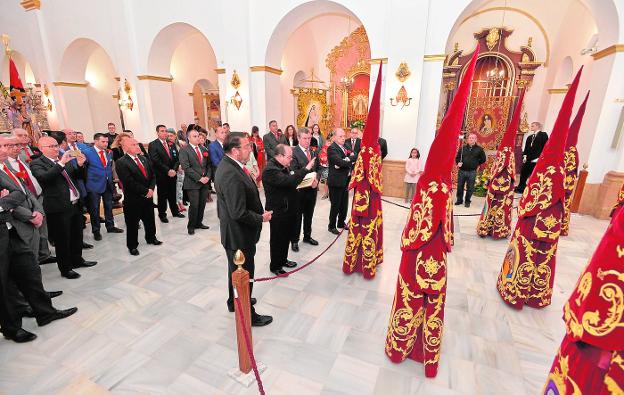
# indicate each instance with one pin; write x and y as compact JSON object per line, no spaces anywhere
{"x":21,"y":336}
{"x":58,"y":315}
{"x":459,"y":203}
{"x":202,"y":226}
{"x":334,"y":231}
{"x":467,"y":204}
{"x":50,"y":259}
{"x":310,"y":241}
{"x":54,"y":294}
{"x":86,"y":246}
{"x":231,"y":306}
{"x":155,"y":242}
{"x":97,"y":236}
{"x":114,"y":230}
{"x":295,"y":246}
{"x":279,"y":272}
{"x":134,"y":252}
{"x":179,"y":215}
{"x":86,"y":264}
{"x":261,"y":320}
{"x":102,"y":219}
{"x":71,"y":275}
{"x":27,"y":312}
{"x":164,"y":220}
{"x":191,"y":231}
{"x":290,"y":264}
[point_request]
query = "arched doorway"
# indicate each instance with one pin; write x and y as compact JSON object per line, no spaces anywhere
{"x":180,"y":56}
{"x":206,"y":105}
{"x":328,"y":44}
{"x":89,"y":82}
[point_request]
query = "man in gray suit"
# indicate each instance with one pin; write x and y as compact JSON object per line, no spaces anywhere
{"x":22,"y":170}
{"x":195,"y":161}
{"x":272,"y":139}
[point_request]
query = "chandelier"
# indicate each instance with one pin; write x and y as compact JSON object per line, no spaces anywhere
{"x":346,"y":82}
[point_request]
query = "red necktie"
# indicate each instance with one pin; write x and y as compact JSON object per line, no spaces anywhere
{"x":199,"y":157}
{"x":11,"y":176}
{"x":308,"y":154}
{"x":141,"y":167}
{"x":102,"y":158}
{"x":27,"y":152}
{"x":27,"y":180}
{"x":167,"y":149}
{"x":246,"y":170}
{"x":71,"y":185}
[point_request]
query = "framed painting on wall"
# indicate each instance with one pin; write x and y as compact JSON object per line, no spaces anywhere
{"x":311,"y":107}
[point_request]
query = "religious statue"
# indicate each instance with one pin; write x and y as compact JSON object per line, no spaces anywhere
{"x":313,"y":117}
{"x":359,"y":105}
{"x":486,"y":125}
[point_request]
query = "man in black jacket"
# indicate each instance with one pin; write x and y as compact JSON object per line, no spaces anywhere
{"x":61,"y":203}
{"x":240,"y":213}
{"x":533,"y":148}
{"x":195,"y":161}
{"x":137,"y":177}
{"x":165,"y":165}
{"x":354,"y":142}
{"x":306,"y":197}
{"x":272,"y":139}
{"x":469,"y":157}
{"x":280,"y":189}
{"x":340,"y":162}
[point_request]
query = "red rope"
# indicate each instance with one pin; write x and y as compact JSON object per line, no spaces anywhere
{"x":239,"y":311}
{"x":257,"y":280}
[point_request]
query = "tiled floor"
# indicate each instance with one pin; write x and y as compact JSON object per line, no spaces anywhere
{"x":158,"y":323}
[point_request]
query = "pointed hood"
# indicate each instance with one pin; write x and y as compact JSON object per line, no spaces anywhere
{"x":555,"y":147}
{"x":512,"y":128}
{"x":575,"y":126}
{"x":370,"y":134}
{"x":442,"y":152}
{"x":15,"y":81}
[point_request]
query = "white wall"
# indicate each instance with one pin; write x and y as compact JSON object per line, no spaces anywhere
{"x":102,"y":86}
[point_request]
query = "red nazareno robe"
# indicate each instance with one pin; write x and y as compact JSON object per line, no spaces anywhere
{"x":591,"y":356}
{"x":570,"y":166}
{"x":495,"y":218}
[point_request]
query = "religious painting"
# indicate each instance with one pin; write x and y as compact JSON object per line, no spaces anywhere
{"x":311,"y":107}
{"x":357,"y":99}
{"x":213,"y":110}
{"x":487,"y":118}
{"x":29,"y":114}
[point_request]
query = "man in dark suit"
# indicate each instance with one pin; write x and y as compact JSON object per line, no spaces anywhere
{"x":195,"y":161}
{"x":61,"y":203}
{"x":354,"y":142}
{"x":166,"y":170}
{"x":240,"y":213}
{"x":383,"y":145}
{"x":272,"y":139}
{"x":216,"y":148}
{"x":18,"y":265}
{"x":340,"y":162}
{"x":112,"y":134}
{"x":28,"y":151}
{"x":100,"y":185}
{"x":533,"y":147}
{"x":280,"y":185}
{"x":137,"y":177}
{"x":306,"y":197}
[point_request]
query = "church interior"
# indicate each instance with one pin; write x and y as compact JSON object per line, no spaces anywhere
{"x":156,"y":323}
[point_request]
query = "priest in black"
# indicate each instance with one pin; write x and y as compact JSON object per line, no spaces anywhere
{"x":533,"y":147}
{"x":280,"y":183}
{"x":166,"y":163}
{"x":306,"y":197}
{"x":137,"y":178}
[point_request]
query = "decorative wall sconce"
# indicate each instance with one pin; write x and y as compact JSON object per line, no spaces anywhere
{"x":402,"y":75}
{"x":126,"y":101}
{"x":46,"y":94}
{"x":5,"y":41}
{"x":237,"y":99}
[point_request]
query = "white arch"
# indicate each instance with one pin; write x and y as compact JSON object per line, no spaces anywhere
{"x":564,"y":72}
{"x":76,"y":58}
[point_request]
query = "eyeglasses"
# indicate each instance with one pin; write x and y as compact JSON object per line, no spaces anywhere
{"x":50,"y":146}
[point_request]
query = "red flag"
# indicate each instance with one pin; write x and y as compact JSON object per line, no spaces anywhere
{"x":15,"y":82}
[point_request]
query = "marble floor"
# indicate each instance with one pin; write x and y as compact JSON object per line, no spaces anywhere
{"x":157,"y":323}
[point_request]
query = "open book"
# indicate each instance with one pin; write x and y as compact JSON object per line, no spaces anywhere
{"x":308,"y":180}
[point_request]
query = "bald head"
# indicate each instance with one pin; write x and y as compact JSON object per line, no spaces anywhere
{"x":49,"y":147}
{"x":70,"y":134}
{"x":130,"y":146}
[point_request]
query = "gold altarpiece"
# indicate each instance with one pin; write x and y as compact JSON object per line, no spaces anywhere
{"x":31,"y":114}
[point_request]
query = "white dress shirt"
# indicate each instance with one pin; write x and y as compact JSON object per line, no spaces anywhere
{"x":15,"y":165}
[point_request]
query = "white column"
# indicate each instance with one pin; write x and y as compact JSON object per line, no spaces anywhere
{"x":74,"y":105}
{"x":264,"y":107}
{"x":430,"y":91}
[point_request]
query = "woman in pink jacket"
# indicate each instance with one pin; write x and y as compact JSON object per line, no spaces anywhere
{"x":412,"y":174}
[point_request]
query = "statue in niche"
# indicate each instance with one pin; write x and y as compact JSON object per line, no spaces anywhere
{"x":359,"y":105}
{"x":313,"y":117}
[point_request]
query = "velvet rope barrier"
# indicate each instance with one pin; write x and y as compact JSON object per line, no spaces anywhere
{"x":257,"y":280}
{"x":252,"y":359}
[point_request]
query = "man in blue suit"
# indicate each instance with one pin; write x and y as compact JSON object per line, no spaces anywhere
{"x":216,"y":148}
{"x":100,"y":184}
